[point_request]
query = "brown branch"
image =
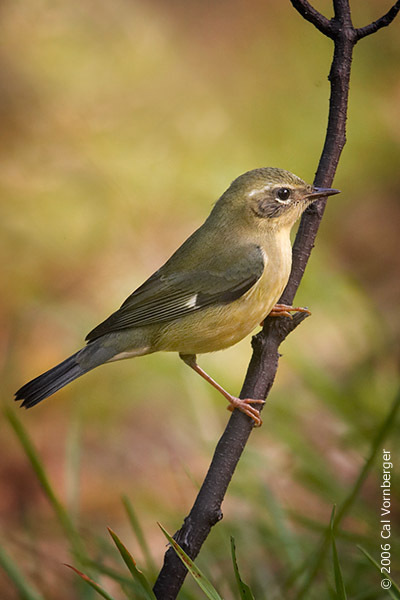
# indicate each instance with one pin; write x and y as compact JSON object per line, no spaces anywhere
{"x":311,"y":14}
{"x":206,"y":510}
{"x":261,"y":372}
{"x":379,"y":23}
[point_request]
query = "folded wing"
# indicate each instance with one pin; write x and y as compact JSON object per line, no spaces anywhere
{"x":166,"y":296}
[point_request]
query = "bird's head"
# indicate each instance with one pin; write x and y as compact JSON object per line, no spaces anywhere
{"x":271,"y":197}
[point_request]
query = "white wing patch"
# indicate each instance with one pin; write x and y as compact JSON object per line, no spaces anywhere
{"x":191,"y":303}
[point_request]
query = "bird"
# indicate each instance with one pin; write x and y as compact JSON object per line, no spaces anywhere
{"x":212,"y":292}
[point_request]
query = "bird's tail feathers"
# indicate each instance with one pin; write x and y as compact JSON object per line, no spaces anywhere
{"x":50,"y":382}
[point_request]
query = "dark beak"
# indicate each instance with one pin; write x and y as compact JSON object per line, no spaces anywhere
{"x":319,"y":192}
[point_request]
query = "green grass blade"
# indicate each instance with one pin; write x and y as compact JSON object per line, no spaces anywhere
{"x":319,"y":556}
{"x":340,"y":588}
{"x":62,"y":515}
{"x":128,"y":584}
{"x":103,"y":569}
{"x":290,"y":549}
{"x":24,"y":587}
{"x":394,"y":591}
{"x":195,"y":572}
{"x":244,"y":590}
{"x":72,"y":467}
{"x":131,"y":564}
{"x":92,"y":583}
{"x":134,"y":522}
{"x":376,"y":447}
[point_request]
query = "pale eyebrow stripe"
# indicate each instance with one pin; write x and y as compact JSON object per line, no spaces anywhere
{"x":258,"y":190}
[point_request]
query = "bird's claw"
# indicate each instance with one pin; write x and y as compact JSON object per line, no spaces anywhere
{"x":284,"y":310}
{"x":244,"y":405}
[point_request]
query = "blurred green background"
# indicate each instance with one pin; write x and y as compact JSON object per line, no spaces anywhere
{"x":121,"y":123}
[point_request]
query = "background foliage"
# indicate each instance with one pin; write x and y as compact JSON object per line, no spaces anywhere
{"x":122,"y":122}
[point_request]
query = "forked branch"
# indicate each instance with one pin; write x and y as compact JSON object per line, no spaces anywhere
{"x":311,"y":14}
{"x":261,"y":372}
{"x":379,"y":23}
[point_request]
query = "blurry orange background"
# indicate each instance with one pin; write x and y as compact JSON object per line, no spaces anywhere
{"x":121,"y":123}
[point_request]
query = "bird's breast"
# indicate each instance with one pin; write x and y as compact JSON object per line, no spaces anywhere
{"x":219,"y":327}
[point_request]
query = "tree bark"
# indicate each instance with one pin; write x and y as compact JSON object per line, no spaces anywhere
{"x":261,"y":372}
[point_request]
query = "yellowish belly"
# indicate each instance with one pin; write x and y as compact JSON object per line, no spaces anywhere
{"x":219,"y":327}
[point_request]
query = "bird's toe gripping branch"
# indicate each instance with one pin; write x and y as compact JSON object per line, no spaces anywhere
{"x":245,"y":406}
{"x":242,"y":404}
{"x":284,"y":310}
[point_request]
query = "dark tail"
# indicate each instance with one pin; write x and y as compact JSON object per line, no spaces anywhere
{"x":47,"y":384}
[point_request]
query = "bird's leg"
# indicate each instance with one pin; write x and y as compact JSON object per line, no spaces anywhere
{"x":284,"y":310}
{"x":244,"y":405}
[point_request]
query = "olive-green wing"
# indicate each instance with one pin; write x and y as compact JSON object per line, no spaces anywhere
{"x":166,"y":296}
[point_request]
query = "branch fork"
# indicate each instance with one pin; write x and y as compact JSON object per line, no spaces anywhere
{"x":261,"y":372}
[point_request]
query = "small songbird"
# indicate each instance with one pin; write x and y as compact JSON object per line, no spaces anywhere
{"x":213,"y":291}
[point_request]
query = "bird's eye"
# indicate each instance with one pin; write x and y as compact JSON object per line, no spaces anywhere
{"x":283,"y":195}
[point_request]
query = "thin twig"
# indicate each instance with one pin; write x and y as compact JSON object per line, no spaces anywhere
{"x":206,"y":510}
{"x":312,"y":15}
{"x":379,"y":23}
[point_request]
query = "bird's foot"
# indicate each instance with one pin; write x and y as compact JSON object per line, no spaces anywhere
{"x":244,"y":405}
{"x":284,"y":310}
